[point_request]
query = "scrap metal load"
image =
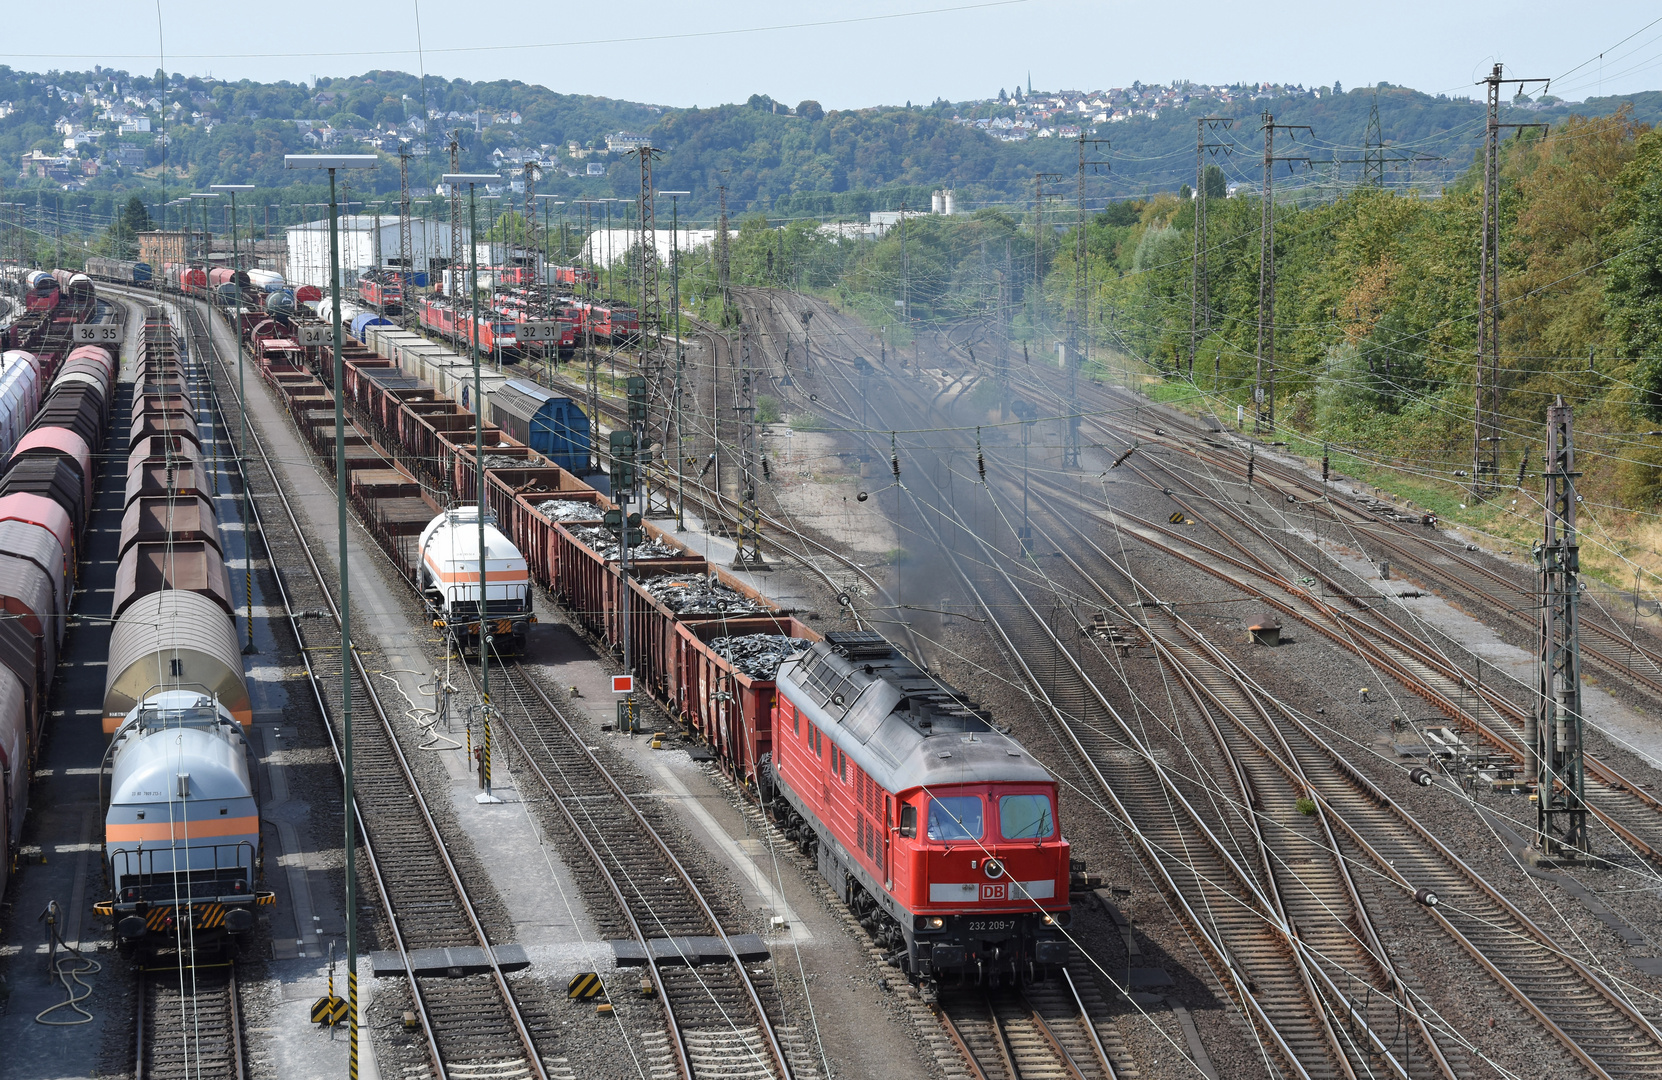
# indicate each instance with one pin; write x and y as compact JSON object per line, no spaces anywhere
{"x":606,"y":546}
{"x":758,"y":655}
{"x":450,"y":582}
{"x":567,"y":510}
{"x":701,"y":596}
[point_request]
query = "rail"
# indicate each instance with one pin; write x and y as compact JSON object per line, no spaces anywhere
{"x":445,"y":1013}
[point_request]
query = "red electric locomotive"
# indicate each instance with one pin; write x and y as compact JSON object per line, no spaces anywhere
{"x":608,"y":322}
{"x":494,"y":334}
{"x":938,"y":830}
{"x":384,"y":291}
{"x":575,"y":276}
{"x":40,"y":291}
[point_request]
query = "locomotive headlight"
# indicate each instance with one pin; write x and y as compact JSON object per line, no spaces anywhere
{"x":1049,"y":921}
{"x":936,"y":923}
{"x":993,"y":868}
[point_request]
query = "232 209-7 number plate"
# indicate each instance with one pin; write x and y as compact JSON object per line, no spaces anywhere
{"x":983,"y":925}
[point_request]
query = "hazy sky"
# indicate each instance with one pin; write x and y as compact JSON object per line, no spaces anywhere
{"x":697,"y":52}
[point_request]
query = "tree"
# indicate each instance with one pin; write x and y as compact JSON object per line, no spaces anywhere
{"x":135,"y":216}
{"x":1214,"y":183}
{"x":810,"y":110}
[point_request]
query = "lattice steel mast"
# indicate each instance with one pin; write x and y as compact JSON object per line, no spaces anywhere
{"x":406,"y":245}
{"x":1554,"y":729}
{"x":1079,"y":325}
{"x":1200,"y":299}
{"x":1263,"y":390}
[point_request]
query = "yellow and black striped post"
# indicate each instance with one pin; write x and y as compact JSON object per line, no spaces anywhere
{"x":352,"y":1022}
{"x":487,"y":757}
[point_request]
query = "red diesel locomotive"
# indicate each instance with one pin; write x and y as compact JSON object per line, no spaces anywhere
{"x":937,"y":829}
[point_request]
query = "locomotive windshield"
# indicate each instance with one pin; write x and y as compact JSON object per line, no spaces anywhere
{"x":1025,"y":817}
{"x":955,"y":817}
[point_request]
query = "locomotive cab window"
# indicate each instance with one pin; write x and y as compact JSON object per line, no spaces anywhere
{"x":1025,"y":817}
{"x":955,"y":817}
{"x":908,"y":821}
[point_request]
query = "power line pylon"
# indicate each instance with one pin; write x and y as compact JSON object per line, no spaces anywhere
{"x":1263,"y":390}
{"x":1373,"y":148}
{"x":1200,"y":299}
{"x":406,"y":247}
{"x":1555,"y":744}
{"x":1486,"y":427}
{"x":456,"y":260}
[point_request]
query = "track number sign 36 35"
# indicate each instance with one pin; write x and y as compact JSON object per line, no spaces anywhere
{"x":97,"y":333}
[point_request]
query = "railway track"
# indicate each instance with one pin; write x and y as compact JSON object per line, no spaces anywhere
{"x":189,"y":1024}
{"x":723,"y":1019}
{"x":1043,"y":1032}
{"x":1197,"y":859}
{"x":474,"y":1024}
{"x":1596,"y":1024}
{"x":1633,"y":815}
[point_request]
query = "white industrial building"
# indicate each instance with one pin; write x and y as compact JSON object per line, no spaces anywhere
{"x":366,"y":241}
{"x":605,"y":247}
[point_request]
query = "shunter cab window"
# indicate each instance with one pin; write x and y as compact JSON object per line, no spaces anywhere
{"x":1025,"y":817}
{"x":955,"y":817}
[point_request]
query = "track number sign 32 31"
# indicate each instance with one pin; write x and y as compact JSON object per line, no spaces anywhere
{"x":97,"y":333}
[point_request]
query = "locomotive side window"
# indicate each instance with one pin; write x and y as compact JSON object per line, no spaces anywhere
{"x":908,"y":821}
{"x":955,"y":817}
{"x":1025,"y":817}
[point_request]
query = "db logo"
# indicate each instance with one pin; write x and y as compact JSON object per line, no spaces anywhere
{"x":992,"y":892}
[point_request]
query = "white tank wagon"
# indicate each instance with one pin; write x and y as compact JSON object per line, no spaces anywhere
{"x":449,"y":581}
{"x":181,"y":826}
{"x":173,"y":638}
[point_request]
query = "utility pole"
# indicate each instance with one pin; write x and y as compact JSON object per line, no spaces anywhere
{"x":721,"y":256}
{"x":1263,"y":391}
{"x":456,"y":263}
{"x":749,"y":553}
{"x":530,"y":171}
{"x":1200,"y":299}
{"x":1486,"y":429}
{"x":1553,"y":731}
{"x":406,"y":245}
{"x":1079,"y":325}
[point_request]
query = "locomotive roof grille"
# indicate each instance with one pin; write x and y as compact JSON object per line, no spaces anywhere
{"x":894,"y":720}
